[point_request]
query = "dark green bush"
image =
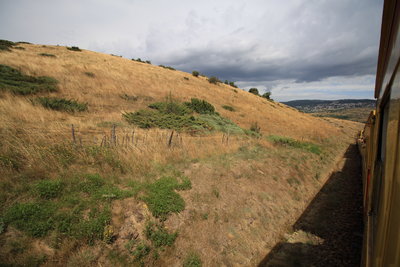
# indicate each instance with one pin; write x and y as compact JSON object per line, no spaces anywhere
{"x":14,"y":81}
{"x":171,"y":107}
{"x":195,"y":73}
{"x":254,"y":91}
{"x":267,"y":95}
{"x":5,"y":45}
{"x":62,"y":104}
{"x":74,"y":48}
{"x":18,"y":47}
{"x":166,"y":67}
{"x":230,"y":108}
{"x":232,"y":84}
{"x":46,"y":55}
{"x":200,"y":106}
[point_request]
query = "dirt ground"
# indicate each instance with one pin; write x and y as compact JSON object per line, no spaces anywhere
{"x":329,"y":232}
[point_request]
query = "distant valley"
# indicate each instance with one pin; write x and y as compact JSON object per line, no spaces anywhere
{"x":347,"y":109}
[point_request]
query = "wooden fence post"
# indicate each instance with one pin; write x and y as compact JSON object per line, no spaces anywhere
{"x":170,"y":139}
{"x":73,"y":133}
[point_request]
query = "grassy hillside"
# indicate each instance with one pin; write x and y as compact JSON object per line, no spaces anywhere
{"x":147,"y":175}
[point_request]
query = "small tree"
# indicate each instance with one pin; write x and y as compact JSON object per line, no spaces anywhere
{"x":226,"y":82}
{"x":254,"y":91}
{"x":195,"y":73}
{"x":213,"y":80}
{"x":267,"y":95}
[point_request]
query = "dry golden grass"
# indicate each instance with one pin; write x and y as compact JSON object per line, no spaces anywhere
{"x":241,"y":200}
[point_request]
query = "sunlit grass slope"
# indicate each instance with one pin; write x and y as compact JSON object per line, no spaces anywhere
{"x":81,"y":186}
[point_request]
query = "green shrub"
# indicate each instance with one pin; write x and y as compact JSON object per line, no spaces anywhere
{"x":47,"y":55}
{"x":48,"y":189}
{"x":213,"y":80}
{"x":158,"y":235}
{"x":5,"y":45}
{"x":195,"y":73}
{"x":62,"y":104}
{"x":287,"y":141}
{"x":200,"y":106}
{"x":14,"y":81}
{"x":74,"y":48}
{"x":254,"y":91}
{"x":18,"y":47}
{"x":232,"y":84}
{"x":192,"y":260}
{"x":230,"y":108}
{"x":162,"y":199}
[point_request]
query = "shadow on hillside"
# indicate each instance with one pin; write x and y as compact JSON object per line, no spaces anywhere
{"x":335,"y":215}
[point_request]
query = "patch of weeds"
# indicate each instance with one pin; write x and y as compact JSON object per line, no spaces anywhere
{"x":204,"y":216}
{"x":90,"y":74}
{"x":141,"y":251}
{"x":230,"y":108}
{"x":162,"y":199}
{"x":19,"y":47}
{"x":221,"y":124}
{"x":109,"y":124}
{"x":15,"y":82}
{"x":251,"y":152}
{"x":195,"y":73}
{"x":158,"y":235}
{"x":74,"y":48}
{"x":77,"y":207}
{"x":64,"y":154}
{"x":154,"y":118}
{"x":215,"y":192}
{"x":47,"y":55}
{"x":62,"y":104}
{"x":293,"y":181}
{"x":192,"y":260}
{"x":48,"y":189}
{"x":10,"y":162}
{"x":287,"y":141}
{"x":34,"y":218}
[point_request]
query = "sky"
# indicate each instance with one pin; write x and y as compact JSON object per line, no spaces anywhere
{"x":296,"y":49}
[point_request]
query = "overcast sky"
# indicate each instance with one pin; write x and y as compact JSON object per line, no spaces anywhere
{"x":298,"y":49}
